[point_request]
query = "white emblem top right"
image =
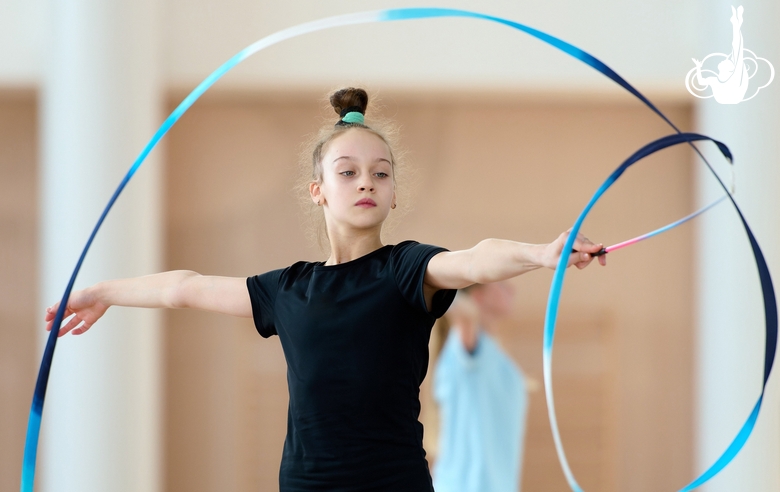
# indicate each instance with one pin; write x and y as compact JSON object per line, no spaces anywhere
{"x":729,"y":84}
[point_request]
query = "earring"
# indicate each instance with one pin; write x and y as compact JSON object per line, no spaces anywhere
{"x":318,"y":203}
{"x":393,"y":206}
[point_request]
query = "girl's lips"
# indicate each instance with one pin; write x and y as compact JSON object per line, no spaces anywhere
{"x":366,"y":202}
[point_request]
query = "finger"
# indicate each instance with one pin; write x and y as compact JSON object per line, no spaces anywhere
{"x":580,"y":240}
{"x":71,"y":324}
{"x":51,"y":312}
{"x":603,"y":260}
{"x":81,"y":329}
{"x":582,"y":264}
{"x":577,"y":257}
{"x":592,"y":247}
{"x":584,"y":244}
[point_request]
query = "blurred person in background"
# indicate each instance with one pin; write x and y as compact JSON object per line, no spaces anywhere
{"x":482,"y":397}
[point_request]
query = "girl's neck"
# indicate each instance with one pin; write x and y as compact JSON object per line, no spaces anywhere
{"x":344,"y":249}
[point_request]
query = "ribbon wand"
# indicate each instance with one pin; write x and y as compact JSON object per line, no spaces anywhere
{"x":660,"y":230}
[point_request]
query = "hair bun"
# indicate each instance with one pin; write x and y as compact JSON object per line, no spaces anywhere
{"x":349,"y":98}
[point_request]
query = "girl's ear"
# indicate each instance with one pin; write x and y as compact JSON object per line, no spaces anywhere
{"x":316,"y":192}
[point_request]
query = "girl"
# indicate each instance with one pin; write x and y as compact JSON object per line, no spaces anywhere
{"x":354,"y":328}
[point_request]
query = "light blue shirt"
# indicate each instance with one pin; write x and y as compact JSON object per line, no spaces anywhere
{"x":483,"y":404}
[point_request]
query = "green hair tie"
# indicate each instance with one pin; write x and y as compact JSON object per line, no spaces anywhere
{"x":354,"y":117}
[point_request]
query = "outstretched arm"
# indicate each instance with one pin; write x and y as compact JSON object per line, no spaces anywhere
{"x":492,"y":260}
{"x":176,"y":289}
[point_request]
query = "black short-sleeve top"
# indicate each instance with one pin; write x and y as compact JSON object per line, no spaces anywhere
{"x":355,"y":337}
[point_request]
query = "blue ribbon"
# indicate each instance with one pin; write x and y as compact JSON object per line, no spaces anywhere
{"x":770,"y":307}
{"x":770,"y":304}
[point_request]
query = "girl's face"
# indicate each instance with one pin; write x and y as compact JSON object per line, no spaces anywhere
{"x":357,"y":188}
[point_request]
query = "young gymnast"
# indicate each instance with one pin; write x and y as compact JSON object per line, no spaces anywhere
{"x":355,"y":327}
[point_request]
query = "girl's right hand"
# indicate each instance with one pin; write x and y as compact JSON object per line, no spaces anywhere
{"x":85,"y":309}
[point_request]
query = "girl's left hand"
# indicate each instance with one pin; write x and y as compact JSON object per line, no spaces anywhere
{"x":581,"y":257}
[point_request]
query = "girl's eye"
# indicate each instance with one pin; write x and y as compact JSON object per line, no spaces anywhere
{"x":382,"y":175}
{"x":347,"y":173}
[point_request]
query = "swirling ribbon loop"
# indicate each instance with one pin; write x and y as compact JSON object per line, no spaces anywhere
{"x":770,"y":311}
{"x":36,"y":410}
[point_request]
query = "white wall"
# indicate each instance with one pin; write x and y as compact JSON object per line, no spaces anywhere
{"x":730,"y":341}
{"x":650,"y":43}
{"x":21,"y":42}
{"x":100,"y":99}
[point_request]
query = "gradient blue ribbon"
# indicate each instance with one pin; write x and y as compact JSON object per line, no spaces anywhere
{"x":34,"y":422}
{"x":770,"y":307}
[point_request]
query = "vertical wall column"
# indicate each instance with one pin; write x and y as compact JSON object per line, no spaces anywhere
{"x":101,"y":101}
{"x":730,"y":314}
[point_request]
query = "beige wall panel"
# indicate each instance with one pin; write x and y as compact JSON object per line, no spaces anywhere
{"x":524,"y":172}
{"x":585,"y":365}
{"x":519,"y":169}
{"x":18,"y":259}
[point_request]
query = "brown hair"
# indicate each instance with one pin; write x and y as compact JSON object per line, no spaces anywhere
{"x":348,"y":99}
{"x":344,"y":100}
